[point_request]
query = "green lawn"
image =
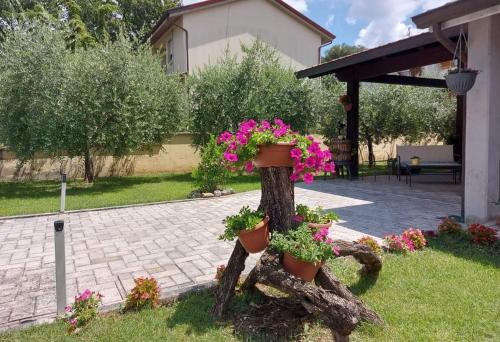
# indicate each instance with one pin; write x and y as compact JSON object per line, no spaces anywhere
{"x":449,"y":292}
{"x":18,"y":198}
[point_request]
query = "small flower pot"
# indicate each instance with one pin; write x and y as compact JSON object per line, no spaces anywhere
{"x":348,"y":107}
{"x":275,"y":155}
{"x":318,"y":226}
{"x":304,"y":270}
{"x":256,"y":240}
{"x":461,"y":82}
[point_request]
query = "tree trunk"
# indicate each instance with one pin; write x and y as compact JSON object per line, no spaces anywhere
{"x":371,"y":262}
{"x":89,"y":167}
{"x":371,"y":156}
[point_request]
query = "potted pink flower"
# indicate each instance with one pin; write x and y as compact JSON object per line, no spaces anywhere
{"x":275,"y":145}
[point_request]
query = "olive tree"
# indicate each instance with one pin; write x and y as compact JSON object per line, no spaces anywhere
{"x":110,"y":99}
{"x":257,"y":86}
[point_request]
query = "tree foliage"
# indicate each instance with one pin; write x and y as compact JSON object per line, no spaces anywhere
{"x":341,"y":50}
{"x":111,"y":99}
{"x":225,"y":93}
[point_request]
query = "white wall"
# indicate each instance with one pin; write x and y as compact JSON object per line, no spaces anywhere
{"x":483,"y":121}
{"x":212,"y":30}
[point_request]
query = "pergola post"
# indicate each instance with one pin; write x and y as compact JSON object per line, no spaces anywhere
{"x":353,"y":125}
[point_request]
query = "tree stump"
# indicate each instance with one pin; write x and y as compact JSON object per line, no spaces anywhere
{"x":328,"y":299}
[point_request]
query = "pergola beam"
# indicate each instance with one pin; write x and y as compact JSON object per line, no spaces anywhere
{"x":408,"y":80}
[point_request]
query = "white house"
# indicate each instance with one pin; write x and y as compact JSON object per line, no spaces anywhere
{"x":195,"y":35}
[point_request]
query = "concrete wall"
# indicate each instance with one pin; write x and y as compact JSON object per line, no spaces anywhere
{"x":176,"y":156}
{"x":482,"y":156}
{"x":213,"y":30}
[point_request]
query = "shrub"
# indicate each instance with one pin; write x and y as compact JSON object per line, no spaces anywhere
{"x":145,"y":294}
{"x":226,"y":92}
{"x":246,"y":219}
{"x":242,"y":147}
{"x":306,"y":214}
{"x":211,"y":174}
{"x":449,"y":225}
{"x":416,"y":237}
{"x":304,"y":246}
{"x":482,"y":235}
{"x":396,"y":244}
{"x":370,"y":242}
{"x":83,"y":310}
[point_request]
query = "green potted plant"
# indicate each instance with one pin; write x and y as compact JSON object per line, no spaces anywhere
{"x":250,"y":226}
{"x":315,"y":218}
{"x":274,"y":145}
{"x":303,"y":252}
{"x":415,"y":160}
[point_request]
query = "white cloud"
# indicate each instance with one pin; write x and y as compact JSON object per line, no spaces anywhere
{"x":388,"y":20}
{"x":329,"y":21}
{"x":299,"y":5}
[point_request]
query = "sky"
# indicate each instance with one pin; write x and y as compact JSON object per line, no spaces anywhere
{"x":363,"y":22}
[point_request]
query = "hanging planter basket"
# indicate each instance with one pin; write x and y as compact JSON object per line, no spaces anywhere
{"x":460,"y":82}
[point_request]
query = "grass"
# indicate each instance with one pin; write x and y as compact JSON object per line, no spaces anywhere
{"x":448,"y":292}
{"x":33,"y":197}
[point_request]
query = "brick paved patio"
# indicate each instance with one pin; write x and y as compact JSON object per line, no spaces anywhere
{"x":177,"y":242}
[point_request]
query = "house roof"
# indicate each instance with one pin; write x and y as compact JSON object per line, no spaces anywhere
{"x":160,"y":26}
{"x":419,"y":50}
{"x":451,"y":10}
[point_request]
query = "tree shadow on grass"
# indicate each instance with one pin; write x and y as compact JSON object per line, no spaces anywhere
{"x":460,"y":246}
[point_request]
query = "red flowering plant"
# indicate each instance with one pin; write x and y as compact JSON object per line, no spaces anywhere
{"x":242,"y":147}
{"x":145,"y":294}
{"x":83,"y":310}
{"x":449,"y":225}
{"x":411,"y":240}
{"x":416,"y":237}
{"x":482,"y":235}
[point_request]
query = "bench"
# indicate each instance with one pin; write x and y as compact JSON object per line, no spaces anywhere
{"x":434,"y":159}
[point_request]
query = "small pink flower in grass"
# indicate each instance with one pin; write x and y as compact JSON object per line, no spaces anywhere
{"x":298,"y":218}
{"x":296,"y":153}
{"x":73,"y":321}
{"x":249,"y":167}
{"x":231,"y":157}
{"x":294,"y":177}
{"x":310,"y":162}
{"x":85,"y":295}
{"x":308,"y":178}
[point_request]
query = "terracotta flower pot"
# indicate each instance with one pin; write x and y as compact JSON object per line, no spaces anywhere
{"x":256,"y":240}
{"x":275,"y":155}
{"x":348,"y":107}
{"x":304,"y":270}
{"x":318,"y":226}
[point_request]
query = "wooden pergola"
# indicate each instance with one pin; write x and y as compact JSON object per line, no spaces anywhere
{"x":381,"y":65}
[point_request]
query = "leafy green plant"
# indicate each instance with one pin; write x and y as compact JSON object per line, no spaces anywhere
{"x":370,"y":242}
{"x":304,"y":246}
{"x":246,"y":219}
{"x":83,"y":310}
{"x":211,"y":174}
{"x":316,"y":215}
{"x":416,"y":237}
{"x":145,"y":294}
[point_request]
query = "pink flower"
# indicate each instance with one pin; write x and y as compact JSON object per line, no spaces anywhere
{"x":298,"y":218}
{"x":68,"y":308}
{"x":242,"y":138}
{"x":279,"y":122}
{"x":249,"y":167}
{"x":85,"y":295}
{"x":330,"y":167}
{"x":310,"y":162}
{"x":314,"y":148}
{"x":247,"y":126}
{"x":327,"y":155}
{"x":310,"y":137}
{"x":280,"y":131}
{"x":299,"y":167}
{"x":232,"y":146}
{"x":296,"y":153}
{"x":318,"y":237}
{"x":265,"y":125}
{"x":224,"y":137}
{"x":294,"y":177}
{"x":308,"y":178}
{"x":324,"y":232}
{"x":73,"y":321}
{"x":329,"y":241}
{"x":335,"y":251}
{"x":230,"y":157}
